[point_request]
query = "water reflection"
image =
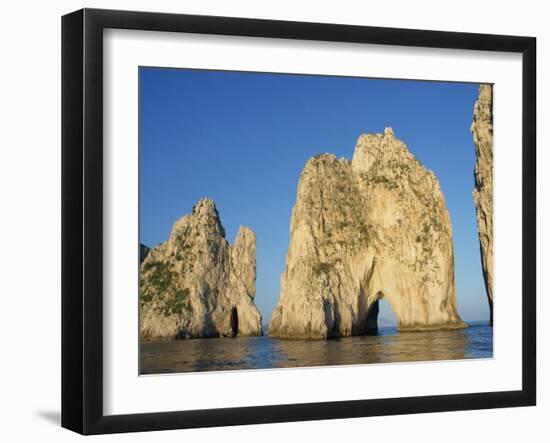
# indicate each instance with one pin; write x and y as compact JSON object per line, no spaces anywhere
{"x":265,"y":352}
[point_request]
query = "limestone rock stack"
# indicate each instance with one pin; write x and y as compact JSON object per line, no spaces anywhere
{"x":198,"y":285}
{"x":482,"y":131}
{"x":362,"y":230}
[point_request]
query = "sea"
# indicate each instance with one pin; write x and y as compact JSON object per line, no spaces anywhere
{"x":264,"y":352}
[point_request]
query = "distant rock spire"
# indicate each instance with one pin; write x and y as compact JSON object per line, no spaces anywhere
{"x":482,"y":131}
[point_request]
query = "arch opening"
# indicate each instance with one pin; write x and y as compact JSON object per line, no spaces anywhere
{"x":379,"y":315}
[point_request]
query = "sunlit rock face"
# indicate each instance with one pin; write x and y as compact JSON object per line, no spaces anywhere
{"x":198,"y":285}
{"x":482,"y":131}
{"x":376,"y":227}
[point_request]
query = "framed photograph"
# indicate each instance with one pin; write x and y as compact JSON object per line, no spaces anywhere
{"x":269,"y":221}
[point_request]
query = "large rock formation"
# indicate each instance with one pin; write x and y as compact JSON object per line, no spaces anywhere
{"x":482,"y":131}
{"x":362,"y":230}
{"x":196,"y":284}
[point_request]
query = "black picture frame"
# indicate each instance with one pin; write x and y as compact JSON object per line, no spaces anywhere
{"x":82,"y":218}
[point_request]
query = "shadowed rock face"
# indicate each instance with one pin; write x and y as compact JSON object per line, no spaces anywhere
{"x":143,"y":252}
{"x":198,"y":285}
{"x":482,"y":131}
{"x":362,"y":230}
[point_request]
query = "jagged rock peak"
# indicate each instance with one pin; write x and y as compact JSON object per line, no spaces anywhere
{"x":205,"y":207}
{"x":375,"y":228}
{"x":204,"y":218}
{"x":198,"y":285}
{"x":373,"y":148}
{"x":482,"y":131}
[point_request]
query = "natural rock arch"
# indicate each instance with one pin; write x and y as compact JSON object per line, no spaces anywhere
{"x":375,"y":225}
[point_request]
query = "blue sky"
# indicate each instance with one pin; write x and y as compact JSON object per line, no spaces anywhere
{"x":242,"y":139}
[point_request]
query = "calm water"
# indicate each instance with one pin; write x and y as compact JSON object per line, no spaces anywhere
{"x":221,"y":354}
